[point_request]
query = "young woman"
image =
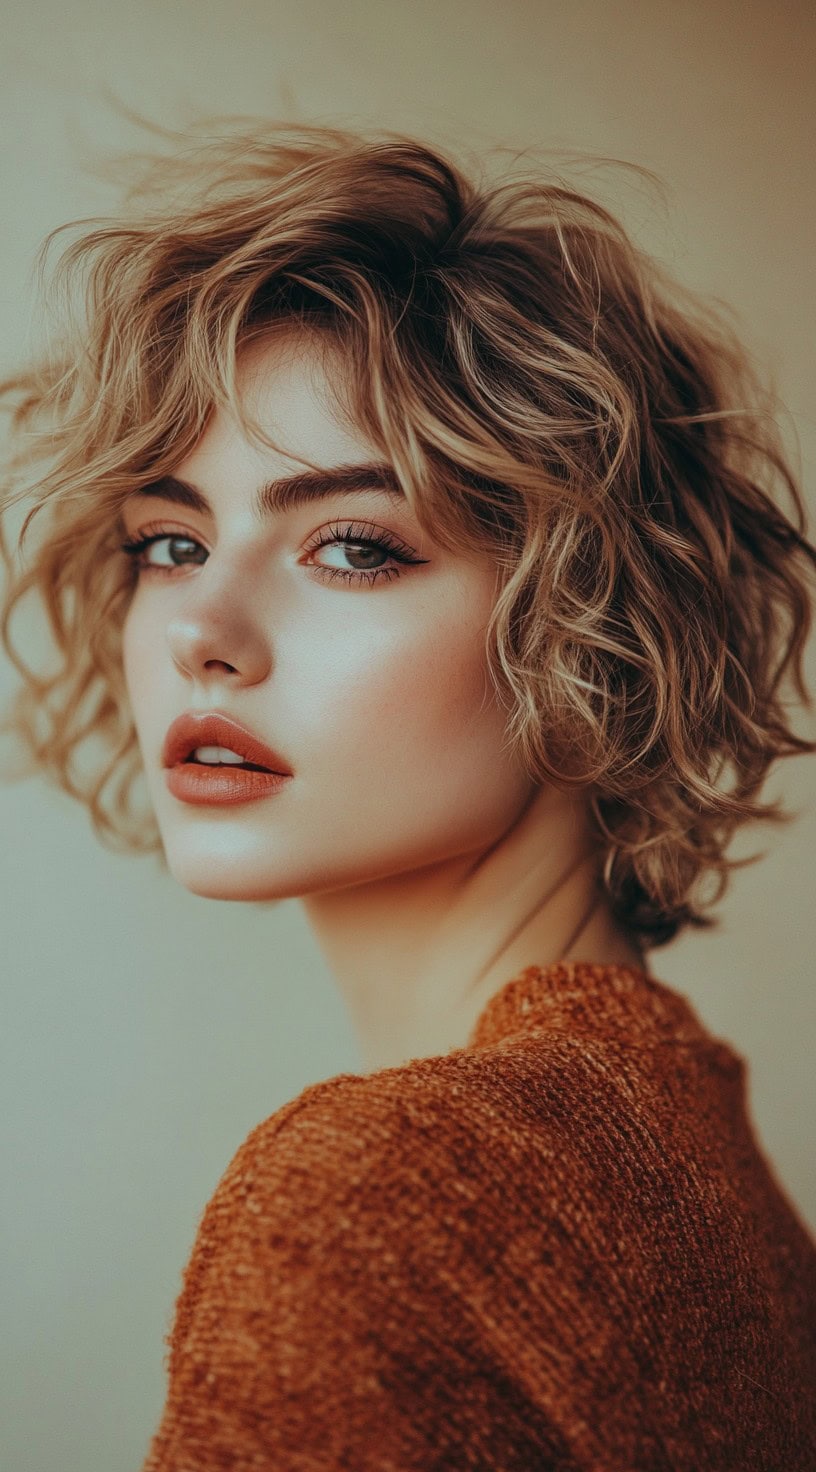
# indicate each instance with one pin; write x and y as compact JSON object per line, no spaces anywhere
{"x":424,"y":548}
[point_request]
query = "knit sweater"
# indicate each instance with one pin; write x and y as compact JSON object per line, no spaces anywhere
{"x":558,"y":1247}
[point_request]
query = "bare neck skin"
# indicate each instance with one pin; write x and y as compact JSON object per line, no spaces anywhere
{"x":417,"y":956}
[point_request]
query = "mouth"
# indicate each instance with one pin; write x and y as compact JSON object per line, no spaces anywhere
{"x":215,"y":741}
{"x":221,"y":758}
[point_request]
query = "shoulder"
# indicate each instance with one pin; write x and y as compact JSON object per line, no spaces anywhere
{"x":351,"y":1271}
{"x":533,"y":1132}
{"x":370,"y":1130}
{"x":344,"y":1205}
{"x":404,"y":1152}
{"x":498,"y":1124}
{"x":533,"y":1172}
{"x":425,"y":1109}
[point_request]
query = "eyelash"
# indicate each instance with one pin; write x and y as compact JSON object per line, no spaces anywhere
{"x":351,"y":533}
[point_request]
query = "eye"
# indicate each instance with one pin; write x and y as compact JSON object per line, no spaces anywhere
{"x":362,"y":543}
{"x":355,"y":541}
{"x":138,"y":547}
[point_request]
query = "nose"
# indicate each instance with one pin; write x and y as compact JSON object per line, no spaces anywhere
{"x":215,"y":633}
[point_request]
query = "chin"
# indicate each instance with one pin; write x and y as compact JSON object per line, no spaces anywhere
{"x":237,"y":866}
{"x":226,"y":873}
{"x":230,"y":876}
{"x":233,"y":862}
{"x":212,"y":887}
{"x":220,"y":884}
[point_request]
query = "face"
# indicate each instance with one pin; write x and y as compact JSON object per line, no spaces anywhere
{"x":362,"y":665}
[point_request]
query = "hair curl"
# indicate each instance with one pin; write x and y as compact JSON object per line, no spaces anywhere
{"x":544,"y":393}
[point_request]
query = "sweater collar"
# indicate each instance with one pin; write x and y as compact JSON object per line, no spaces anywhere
{"x":588,"y":998}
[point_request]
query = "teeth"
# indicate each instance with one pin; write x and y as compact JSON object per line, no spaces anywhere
{"x":215,"y":754}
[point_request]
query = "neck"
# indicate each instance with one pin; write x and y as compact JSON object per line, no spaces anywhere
{"x":417,"y":955}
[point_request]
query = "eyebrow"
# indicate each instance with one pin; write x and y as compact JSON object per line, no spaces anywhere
{"x":289,"y":492}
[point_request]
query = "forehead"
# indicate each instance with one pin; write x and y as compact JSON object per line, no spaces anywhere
{"x":286,"y":385}
{"x":293,"y":383}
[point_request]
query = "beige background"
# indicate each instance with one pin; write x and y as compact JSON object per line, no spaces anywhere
{"x":147,"y":1030}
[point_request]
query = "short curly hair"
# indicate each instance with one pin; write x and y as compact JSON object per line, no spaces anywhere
{"x":544,"y":393}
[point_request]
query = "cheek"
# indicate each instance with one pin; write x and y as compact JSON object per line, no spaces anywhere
{"x":405,"y":763}
{"x":142,"y":672}
{"x":130,"y":649}
{"x":442,"y":697}
{"x":410,"y":710}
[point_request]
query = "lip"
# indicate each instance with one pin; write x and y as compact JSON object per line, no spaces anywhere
{"x":213,"y":786}
{"x":213,"y":728}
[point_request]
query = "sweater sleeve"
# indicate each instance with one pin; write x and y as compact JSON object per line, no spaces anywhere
{"x":321,"y":1323}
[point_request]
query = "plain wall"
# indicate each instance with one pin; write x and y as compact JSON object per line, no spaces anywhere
{"x":147,"y":1030}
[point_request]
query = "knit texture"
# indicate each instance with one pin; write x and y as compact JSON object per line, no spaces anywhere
{"x":559,"y":1247}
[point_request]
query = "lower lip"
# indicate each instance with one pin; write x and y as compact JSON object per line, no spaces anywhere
{"x":190,"y":782}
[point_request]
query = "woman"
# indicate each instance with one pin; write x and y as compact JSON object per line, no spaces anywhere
{"x":422,"y":546}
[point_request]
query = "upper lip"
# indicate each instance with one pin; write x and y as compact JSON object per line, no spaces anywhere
{"x":212,"y":728}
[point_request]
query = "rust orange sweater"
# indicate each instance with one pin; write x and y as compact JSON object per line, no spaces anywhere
{"x":559,"y":1247}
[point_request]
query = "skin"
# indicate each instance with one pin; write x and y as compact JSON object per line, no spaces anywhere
{"x":430,"y":868}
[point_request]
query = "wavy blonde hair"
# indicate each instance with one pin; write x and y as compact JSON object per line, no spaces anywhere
{"x":545,"y":395}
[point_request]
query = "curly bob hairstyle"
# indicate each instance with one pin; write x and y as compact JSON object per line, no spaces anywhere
{"x":545,"y":395}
